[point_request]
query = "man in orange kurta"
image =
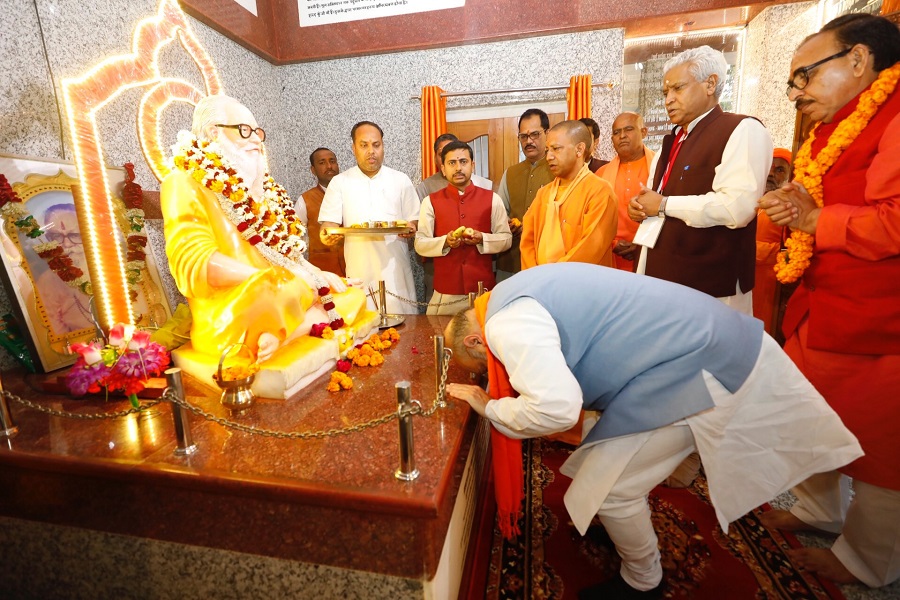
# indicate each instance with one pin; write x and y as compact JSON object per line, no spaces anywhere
{"x":573,"y":218}
{"x":843,"y":322}
{"x":769,"y":237}
{"x":324,"y":165}
{"x":626,"y":172}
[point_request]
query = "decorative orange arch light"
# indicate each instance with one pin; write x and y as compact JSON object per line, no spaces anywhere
{"x":84,"y":97}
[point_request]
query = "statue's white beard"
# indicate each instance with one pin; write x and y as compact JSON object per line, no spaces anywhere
{"x":250,"y":166}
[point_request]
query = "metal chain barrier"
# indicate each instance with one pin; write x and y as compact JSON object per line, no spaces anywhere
{"x":425,"y":304}
{"x":84,"y":416}
{"x":415,"y":409}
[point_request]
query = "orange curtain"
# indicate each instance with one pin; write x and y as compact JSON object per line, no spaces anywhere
{"x":434,"y":123}
{"x":578,"y":97}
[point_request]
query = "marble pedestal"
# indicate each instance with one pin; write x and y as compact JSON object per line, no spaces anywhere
{"x":326,"y":510}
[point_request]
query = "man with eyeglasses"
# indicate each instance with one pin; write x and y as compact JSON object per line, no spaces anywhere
{"x":369,"y":192}
{"x":67,"y":308}
{"x":627,"y":172}
{"x":701,"y":198}
{"x":842,"y":324}
{"x":520,"y":183}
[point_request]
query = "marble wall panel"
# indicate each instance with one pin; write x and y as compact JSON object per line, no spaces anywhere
{"x":323,"y":100}
{"x":772,"y":38}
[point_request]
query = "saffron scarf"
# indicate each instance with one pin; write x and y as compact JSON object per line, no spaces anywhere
{"x":506,"y":453}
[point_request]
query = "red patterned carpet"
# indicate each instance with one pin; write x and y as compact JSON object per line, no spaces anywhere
{"x":550,"y":560}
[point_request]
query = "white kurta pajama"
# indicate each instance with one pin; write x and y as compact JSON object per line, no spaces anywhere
{"x":352,"y":197}
{"x":751,"y":444}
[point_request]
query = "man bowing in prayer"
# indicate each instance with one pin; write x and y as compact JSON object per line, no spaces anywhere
{"x":842,"y":324}
{"x":372,"y":192}
{"x":671,"y":369}
{"x":573,"y":218}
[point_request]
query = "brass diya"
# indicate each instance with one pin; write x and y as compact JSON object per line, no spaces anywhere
{"x":236,"y":393}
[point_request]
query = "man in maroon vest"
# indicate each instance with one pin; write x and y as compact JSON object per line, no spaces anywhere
{"x":705,"y":183}
{"x":461,"y":226}
{"x":698,"y":220}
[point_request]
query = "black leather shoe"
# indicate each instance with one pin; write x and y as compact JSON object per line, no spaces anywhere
{"x":617,"y":589}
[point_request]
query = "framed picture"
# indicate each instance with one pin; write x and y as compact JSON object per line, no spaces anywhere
{"x":55,"y":313}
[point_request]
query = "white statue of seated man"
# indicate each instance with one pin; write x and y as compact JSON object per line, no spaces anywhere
{"x":234,"y":244}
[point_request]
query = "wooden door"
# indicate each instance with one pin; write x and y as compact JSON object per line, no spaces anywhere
{"x":503,"y":143}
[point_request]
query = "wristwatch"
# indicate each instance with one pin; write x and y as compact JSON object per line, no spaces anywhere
{"x":662,"y":206}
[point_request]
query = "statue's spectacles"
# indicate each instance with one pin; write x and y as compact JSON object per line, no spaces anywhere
{"x":246,"y":130}
{"x":800,"y":78}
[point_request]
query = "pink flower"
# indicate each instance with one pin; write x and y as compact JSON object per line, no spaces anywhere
{"x":90,"y":353}
{"x":139,"y":340}
{"x":120,"y":335}
{"x":343,"y":365}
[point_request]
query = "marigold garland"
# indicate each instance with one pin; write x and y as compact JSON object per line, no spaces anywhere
{"x":808,"y":171}
{"x":367,"y":354}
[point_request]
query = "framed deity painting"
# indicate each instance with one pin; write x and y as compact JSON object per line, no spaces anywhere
{"x":45,"y":272}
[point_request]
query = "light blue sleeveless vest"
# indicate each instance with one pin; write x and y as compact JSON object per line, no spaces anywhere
{"x":637,"y":344}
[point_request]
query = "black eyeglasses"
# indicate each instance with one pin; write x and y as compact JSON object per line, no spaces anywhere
{"x":800,"y":78}
{"x":532,"y":135}
{"x":246,"y":130}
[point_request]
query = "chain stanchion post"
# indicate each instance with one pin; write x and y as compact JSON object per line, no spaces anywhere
{"x":439,"y":370}
{"x":186,"y":443}
{"x":382,"y":302}
{"x":6,"y":422}
{"x":471,"y":299}
{"x":480,"y":288}
{"x":407,"y":470}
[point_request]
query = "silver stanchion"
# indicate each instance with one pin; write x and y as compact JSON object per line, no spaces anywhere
{"x":8,"y":428}
{"x":407,"y":470}
{"x":186,"y":443}
{"x":480,"y":288}
{"x":439,"y":369}
{"x":382,"y":303}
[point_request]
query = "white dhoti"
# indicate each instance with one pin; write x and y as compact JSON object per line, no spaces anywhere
{"x":773,"y":433}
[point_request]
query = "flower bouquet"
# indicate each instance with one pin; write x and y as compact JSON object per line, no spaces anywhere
{"x":124,"y":364}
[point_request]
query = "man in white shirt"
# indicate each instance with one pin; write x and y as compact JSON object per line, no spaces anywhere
{"x":372,"y":192}
{"x":460,"y":260}
{"x":705,"y":183}
{"x":671,"y":370}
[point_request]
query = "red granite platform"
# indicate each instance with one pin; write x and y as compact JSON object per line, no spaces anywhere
{"x":332,"y":501}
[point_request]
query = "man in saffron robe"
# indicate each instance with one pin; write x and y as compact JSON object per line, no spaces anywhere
{"x":236,"y":293}
{"x":842,"y":324}
{"x":324,"y":165}
{"x":627,"y":172}
{"x":573,"y":218}
{"x":769,"y":237}
{"x":671,"y":369}
{"x":460,"y":260}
